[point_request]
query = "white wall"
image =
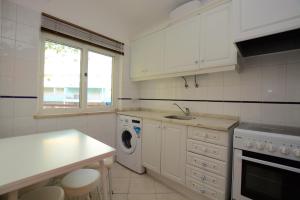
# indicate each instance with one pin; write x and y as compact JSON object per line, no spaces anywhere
{"x":263,"y":78}
{"x":19,"y":63}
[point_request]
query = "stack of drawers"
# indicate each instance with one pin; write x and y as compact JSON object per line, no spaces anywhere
{"x":207,"y":162}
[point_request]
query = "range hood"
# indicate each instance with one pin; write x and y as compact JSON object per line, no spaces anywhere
{"x":278,"y":42}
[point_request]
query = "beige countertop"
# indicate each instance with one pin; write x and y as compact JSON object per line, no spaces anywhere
{"x":202,"y":121}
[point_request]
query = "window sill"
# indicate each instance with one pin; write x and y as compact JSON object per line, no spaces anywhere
{"x":44,"y":116}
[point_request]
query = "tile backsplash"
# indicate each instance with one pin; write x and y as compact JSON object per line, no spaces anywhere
{"x":266,"y":90}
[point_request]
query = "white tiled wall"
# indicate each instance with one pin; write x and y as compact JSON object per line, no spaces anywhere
{"x":19,"y":62}
{"x":262,"y":78}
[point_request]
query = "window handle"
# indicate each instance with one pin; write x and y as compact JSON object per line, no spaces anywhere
{"x":85,"y":74}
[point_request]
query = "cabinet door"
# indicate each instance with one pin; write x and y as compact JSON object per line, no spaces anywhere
{"x":153,"y":49}
{"x":137,"y":59}
{"x":147,"y":55}
{"x":256,"y":18}
{"x":173,"y":152}
{"x":151,"y":144}
{"x":216,"y":43}
{"x":182,"y":46}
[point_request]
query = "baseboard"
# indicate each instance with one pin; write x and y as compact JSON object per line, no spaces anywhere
{"x":176,"y":186}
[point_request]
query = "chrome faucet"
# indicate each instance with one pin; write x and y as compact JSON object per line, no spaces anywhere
{"x":186,"y":112}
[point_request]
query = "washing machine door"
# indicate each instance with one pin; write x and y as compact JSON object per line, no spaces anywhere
{"x":128,"y":141}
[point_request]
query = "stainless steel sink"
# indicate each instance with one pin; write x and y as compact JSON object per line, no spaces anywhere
{"x":180,"y":117}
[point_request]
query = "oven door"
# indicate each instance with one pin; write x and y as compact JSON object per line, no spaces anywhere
{"x":262,"y":177}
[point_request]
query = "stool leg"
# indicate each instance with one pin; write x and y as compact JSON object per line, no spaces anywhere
{"x":99,"y":195}
{"x":110,"y":184}
{"x":103,"y":171}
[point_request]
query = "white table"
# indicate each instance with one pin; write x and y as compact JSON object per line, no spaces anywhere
{"x":27,"y":160}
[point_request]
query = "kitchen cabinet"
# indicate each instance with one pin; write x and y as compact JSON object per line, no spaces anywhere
{"x":147,"y":55}
{"x":207,"y":163}
{"x":173,"y":154}
{"x":202,"y":43}
{"x":216,"y":41}
{"x":151,"y":145}
{"x":270,"y":17}
{"x":182,"y":46}
{"x":197,"y":158}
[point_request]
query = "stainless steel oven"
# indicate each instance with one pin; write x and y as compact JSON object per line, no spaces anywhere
{"x":266,"y":163}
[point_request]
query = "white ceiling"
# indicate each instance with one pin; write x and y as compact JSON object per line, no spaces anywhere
{"x":118,"y":18}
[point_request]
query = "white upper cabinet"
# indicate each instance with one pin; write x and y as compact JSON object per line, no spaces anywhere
{"x":173,"y":154}
{"x":147,"y":55}
{"x":216,"y":43}
{"x":256,"y":18}
{"x":182,"y":46}
{"x":199,"y":44}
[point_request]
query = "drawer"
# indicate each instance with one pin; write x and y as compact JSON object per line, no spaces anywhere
{"x":205,"y":177}
{"x":204,"y":189}
{"x":206,"y":149}
{"x":209,"y":164}
{"x":207,"y":135}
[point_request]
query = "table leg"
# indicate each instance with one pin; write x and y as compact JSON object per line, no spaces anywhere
{"x":12,"y":195}
{"x":103,"y":171}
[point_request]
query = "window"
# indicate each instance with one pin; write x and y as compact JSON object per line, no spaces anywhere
{"x":75,"y":77}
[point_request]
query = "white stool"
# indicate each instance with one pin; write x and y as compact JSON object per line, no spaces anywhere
{"x":108,"y":162}
{"x":81,"y":183}
{"x":33,"y":187}
{"x":45,"y":193}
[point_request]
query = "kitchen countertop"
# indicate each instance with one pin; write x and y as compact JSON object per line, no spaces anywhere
{"x":202,"y":121}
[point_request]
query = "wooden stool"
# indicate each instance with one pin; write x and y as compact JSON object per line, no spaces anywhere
{"x":81,"y":183}
{"x":45,"y":193}
{"x":108,"y":162}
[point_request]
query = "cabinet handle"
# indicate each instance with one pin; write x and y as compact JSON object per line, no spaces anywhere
{"x":203,"y":178}
{"x":196,"y":62}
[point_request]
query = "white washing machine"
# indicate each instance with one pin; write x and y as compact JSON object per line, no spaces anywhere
{"x":129,"y":143}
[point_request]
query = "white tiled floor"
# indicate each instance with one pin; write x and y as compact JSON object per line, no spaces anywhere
{"x":128,"y":185}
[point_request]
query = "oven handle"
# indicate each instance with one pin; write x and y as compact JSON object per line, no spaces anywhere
{"x":293,"y":169}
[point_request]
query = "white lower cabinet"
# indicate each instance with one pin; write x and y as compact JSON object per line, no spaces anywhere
{"x":208,"y":162}
{"x":173,"y":154}
{"x":206,"y":177}
{"x":197,"y":158}
{"x":151,"y":145}
{"x":204,"y":189}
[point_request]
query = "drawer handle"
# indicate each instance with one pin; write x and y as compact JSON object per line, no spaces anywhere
{"x":203,"y":178}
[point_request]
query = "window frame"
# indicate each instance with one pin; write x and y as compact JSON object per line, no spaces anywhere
{"x":85,"y":48}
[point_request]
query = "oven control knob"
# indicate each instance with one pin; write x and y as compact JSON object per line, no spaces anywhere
{"x":271,"y":148}
{"x":249,"y":144}
{"x":284,"y":150}
{"x":297,"y":153}
{"x":260,"y":146}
